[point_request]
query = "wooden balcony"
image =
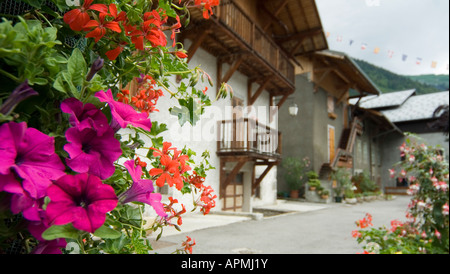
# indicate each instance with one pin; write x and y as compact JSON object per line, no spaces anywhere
{"x":248,"y":138}
{"x":234,"y":38}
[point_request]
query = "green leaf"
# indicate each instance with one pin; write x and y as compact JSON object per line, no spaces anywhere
{"x":106,"y":232}
{"x":182,"y":113}
{"x":35,"y":3}
{"x":157,"y":128}
{"x":77,"y":67}
{"x":59,"y":84}
{"x":58,"y":231}
{"x":115,"y":246}
{"x":165,"y":5}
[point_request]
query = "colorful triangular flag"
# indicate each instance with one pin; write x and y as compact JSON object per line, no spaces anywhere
{"x":404,"y":57}
{"x":433,"y":64}
{"x":419,"y":61}
{"x":376,"y":50}
{"x":364,"y":46}
{"x":390,"y":53}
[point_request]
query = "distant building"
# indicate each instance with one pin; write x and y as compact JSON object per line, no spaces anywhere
{"x":409,"y":113}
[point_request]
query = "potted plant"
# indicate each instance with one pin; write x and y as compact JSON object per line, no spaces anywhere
{"x":350,"y":197}
{"x":342,"y":179}
{"x":313,"y":181}
{"x":294,"y":174}
{"x":325,"y":194}
{"x":364,"y":182}
{"x":359,"y":197}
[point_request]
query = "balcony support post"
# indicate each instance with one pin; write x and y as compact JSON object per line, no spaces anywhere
{"x":198,"y":42}
{"x":230,"y":71}
{"x":258,"y":181}
{"x":252,"y":98}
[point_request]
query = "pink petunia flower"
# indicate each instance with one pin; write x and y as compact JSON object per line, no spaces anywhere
{"x":85,"y":115}
{"x":91,"y":153}
{"x":124,"y":114}
{"x":36,"y":228}
{"x":141,"y":190}
{"x":82,"y":200}
{"x":28,"y":164}
{"x":50,"y":247}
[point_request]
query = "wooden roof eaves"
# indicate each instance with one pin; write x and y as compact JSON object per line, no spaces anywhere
{"x":359,"y":77}
{"x":300,"y":35}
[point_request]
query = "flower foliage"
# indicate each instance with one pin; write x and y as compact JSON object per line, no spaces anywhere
{"x":72,"y":78}
{"x":426,"y":229}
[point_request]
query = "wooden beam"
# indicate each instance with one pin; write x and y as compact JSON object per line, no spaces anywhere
{"x":342,"y":76}
{"x":324,"y":75}
{"x":252,"y":99}
{"x":230,"y":72}
{"x":258,"y":181}
{"x":233,"y":69}
{"x":197,"y":43}
{"x":273,"y":16}
{"x":280,"y":104}
{"x":300,"y":35}
{"x":342,"y":98}
{"x":296,"y":47}
{"x":283,"y":100}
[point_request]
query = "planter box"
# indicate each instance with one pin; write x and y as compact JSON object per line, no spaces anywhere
{"x":351,"y":201}
{"x":370,"y":198}
{"x":313,"y":197}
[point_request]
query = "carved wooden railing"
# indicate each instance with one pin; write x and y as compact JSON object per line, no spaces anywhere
{"x":231,"y":15}
{"x":248,"y":136}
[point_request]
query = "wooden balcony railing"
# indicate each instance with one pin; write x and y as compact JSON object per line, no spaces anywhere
{"x":231,"y":15}
{"x":248,"y":137}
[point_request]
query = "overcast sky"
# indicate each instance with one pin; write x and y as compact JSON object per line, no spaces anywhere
{"x":408,"y":28}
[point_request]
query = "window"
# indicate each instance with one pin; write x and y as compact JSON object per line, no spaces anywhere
{"x":330,"y":104}
{"x":331,"y":107}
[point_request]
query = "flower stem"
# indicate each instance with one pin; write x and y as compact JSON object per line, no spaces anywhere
{"x":9,"y":75}
{"x":166,"y":88}
{"x":81,"y":244}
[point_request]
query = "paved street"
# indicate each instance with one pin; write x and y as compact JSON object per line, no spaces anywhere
{"x":324,"y":229}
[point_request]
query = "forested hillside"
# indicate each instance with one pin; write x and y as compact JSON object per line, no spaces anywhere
{"x":439,"y":81}
{"x":387,"y":81}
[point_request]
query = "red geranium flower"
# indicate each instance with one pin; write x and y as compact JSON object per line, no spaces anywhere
{"x":77,"y":18}
{"x":207,"y":6}
{"x":100,"y":27}
{"x":150,"y":30}
{"x":118,"y":17}
{"x":188,"y":244}
{"x":165,"y":150}
{"x":169,"y":174}
{"x":114,"y":53}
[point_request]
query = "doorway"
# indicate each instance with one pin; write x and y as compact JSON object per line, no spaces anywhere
{"x":234,"y":194}
{"x":331,"y":143}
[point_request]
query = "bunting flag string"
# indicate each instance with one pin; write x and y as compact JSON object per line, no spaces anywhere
{"x":419,"y":61}
{"x":390,"y":53}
